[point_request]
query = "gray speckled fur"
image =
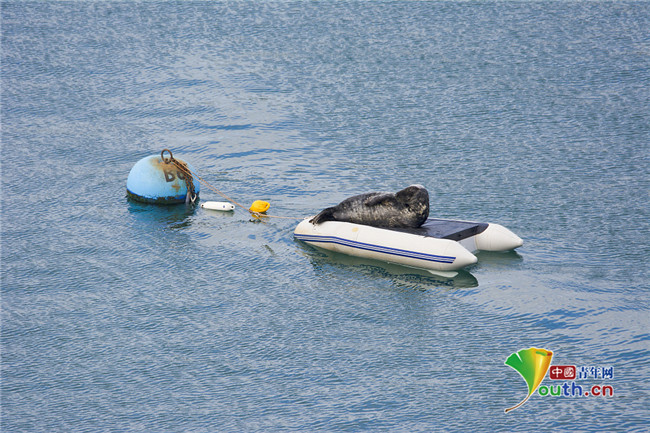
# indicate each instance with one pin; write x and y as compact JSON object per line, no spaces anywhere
{"x":406,"y":208}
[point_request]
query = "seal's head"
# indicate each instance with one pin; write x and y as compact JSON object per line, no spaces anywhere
{"x":415,"y":198}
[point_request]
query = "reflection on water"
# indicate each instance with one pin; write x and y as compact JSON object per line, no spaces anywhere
{"x":498,"y":258}
{"x":173,"y":216}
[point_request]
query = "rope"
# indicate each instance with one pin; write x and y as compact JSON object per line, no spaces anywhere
{"x":189,"y":174}
{"x":182,"y":166}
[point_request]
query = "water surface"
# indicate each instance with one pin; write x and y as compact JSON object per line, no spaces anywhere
{"x":120,"y":316}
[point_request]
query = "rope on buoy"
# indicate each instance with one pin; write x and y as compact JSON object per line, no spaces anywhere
{"x":182,"y":166}
{"x":189,"y":175}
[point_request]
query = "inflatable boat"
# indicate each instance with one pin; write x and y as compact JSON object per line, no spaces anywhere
{"x":437,"y":245}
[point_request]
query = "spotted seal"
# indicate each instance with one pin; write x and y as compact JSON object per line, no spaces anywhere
{"x":406,"y":208}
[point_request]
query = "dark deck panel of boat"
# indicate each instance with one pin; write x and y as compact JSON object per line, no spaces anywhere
{"x":446,"y":229}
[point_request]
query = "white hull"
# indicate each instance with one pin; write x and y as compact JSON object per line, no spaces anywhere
{"x":425,"y":248}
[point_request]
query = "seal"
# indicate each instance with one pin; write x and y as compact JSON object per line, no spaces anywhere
{"x":408,"y":208}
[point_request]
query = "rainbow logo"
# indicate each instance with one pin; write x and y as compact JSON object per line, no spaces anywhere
{"x":532,"y":364}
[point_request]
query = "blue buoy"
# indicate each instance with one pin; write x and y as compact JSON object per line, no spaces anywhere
{"x":154,"y":180}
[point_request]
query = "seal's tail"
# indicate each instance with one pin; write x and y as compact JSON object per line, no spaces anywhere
{"x":324,"y":215}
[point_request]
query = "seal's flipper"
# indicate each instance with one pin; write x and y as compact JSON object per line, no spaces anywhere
{"x":324,"y":215}
{"x":379,"y":199}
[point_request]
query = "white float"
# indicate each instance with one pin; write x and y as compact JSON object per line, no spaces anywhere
{"x":439,"y":245}
{"x":218,"y":205}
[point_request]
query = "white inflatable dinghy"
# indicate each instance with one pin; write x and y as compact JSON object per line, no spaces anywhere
{"x":437,"y":245}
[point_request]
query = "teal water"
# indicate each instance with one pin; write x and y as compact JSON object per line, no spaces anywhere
{"x":119,"y":316}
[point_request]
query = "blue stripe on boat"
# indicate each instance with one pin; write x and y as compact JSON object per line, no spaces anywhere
{"x":375,"y":248}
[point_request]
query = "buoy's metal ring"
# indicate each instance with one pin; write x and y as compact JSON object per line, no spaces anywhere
{"x":162,"y":156}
